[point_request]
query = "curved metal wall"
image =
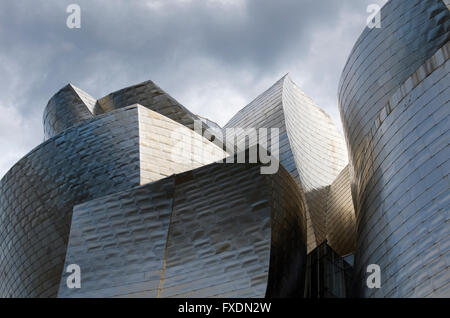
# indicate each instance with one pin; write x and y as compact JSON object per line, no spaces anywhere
{"x":37,"y":196}
{"x":311,"y":148}
{"x":403,"y":218}
{"x":387,"y":216}
{"x":340,"y":217}
{"x":382,"y":59}
{"x":149,"y":95}
{"x":71,"y":106}
{"x":266,"y":111}
{"x":68,"y":107}
{"x":319,"y":151}
{"x":107,"y":154}
{"x":218,"y":231}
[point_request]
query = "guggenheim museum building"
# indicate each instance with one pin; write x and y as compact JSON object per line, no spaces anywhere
{"x":150,"y":200}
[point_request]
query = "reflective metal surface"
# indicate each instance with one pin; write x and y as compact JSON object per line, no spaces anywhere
{"x":340,"y":217}
{"x":218,"y":231}
{"x":311,"y":148}
{"x":394,"y":102}
{"x":151,"y":96}
{"x":72,"y":106}
{"x":66,"y":108}
{"x":103,"y":155}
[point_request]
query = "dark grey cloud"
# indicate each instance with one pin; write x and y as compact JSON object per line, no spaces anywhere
{"x":213,"y":56}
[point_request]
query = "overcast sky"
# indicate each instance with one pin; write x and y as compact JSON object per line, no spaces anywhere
{"x":213,"y":56}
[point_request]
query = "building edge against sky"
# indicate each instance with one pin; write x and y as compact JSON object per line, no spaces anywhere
{"x":103,"y":191}
{"x":394,"y":103}
{"x":81,"y":161}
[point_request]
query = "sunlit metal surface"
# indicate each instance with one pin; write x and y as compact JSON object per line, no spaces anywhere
{"x":217,"y":231}
{"x":340,"y":216}
{"x":311,"y":148}
{"x":106,"y":154}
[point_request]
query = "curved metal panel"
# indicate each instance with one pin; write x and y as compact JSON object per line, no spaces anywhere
{"x":340,"y":217}
{"x":106,"y":154}
{"x":69,"y":106}
{"x":382,"y":102}
{"x":382,"y":59}
{"x":403,"y":202}
{"x":318,"y":148}
{"x":218,"y":231}
{"x":149,"y":95}
{"x":311,"y":148}
{"x":37,"y":196}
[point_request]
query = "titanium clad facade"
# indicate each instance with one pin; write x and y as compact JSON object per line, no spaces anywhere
{"x":134,"y":189}
{"x":319,"y":152}
{"x":119,"y":242}
{"x":103,"y":155}
{"x":404,"y":215}
{"x":37,"y":196}
{"x":393,"y":99}
{"x":167,"y":147}
{"x":310,"y":146}
{"x":66,"y":108}
{"x":151,"y":96}
{"x":381,"y":60}
{"x":266,"y":111}
{"x":72,"y":106}
{"x":340,"y":217}
{"x":223,"y":230}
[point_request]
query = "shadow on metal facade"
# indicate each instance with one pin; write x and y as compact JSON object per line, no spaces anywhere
{"x":223,"y":230}
{"x":245,"y":243}
{"x":311,"y":148}
{"x":100,"y":156}
{"x":394,"y":102}
{"x":148,"y":224}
